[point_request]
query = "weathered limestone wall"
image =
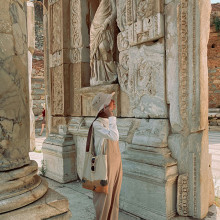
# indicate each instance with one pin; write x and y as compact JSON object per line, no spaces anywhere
{"x":214,"y":60}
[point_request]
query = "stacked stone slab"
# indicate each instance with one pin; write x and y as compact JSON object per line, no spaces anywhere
{"x":161,"y":100}
{"x":20,"y":184}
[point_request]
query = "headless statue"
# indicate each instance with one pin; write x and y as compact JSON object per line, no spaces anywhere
{"x":103,"y":67}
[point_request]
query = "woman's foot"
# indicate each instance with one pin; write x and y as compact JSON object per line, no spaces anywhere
{"x":40,"y":134}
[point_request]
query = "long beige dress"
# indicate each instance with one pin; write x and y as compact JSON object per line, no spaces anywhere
{"x":107,"y":206}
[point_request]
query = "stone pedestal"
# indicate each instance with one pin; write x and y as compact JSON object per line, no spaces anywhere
{"x":59,"y":155}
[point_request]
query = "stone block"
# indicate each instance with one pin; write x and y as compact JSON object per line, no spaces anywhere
{"x":51,"y":205}
{"x":145,"y":132}
{"x":60,"y":157}
{"x":35,"y":80}
{"x":149,"y":183}
{"x":59,"y":31}
{"x":60,"y":91}
{"x":79,"y":77}
{"x":187,"y":81}
{"x":38,"y":91}
{"x":191,"y":152}
{"x":142,"y":77}
{"x":36,"y":86}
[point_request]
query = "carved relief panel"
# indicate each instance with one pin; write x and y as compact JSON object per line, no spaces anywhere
{"x":55,"y":26}
{"x":57,"y":91}
{"x":75,"y":24}
{"x":141,"y":69}
{"x":143,"y":19}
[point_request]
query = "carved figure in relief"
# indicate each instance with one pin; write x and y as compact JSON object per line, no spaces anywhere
{"x":103,"y":66}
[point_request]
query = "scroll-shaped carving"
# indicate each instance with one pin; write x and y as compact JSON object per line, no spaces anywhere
{"x":182,"y":195}
{"x":103,"y":66}
{"x":75,"y":55}
{"x":76,"y":39}
{"x":122,"y":41}
{"x":123,"y":70}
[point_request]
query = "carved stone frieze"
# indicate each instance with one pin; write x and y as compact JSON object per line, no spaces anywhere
{"x":183,"y":59}
{"x":57,"y":90}
{"x":145,"y":20}
{"x":148,"y":29}
{"x":129,"y":12}
{"x":123,"y":70}
{"x":55,"y":27}
{"x":142,"y":77}
{"x":78,"y":55}
{"x":59,"y":57}
{"x":75,"y":24}
{"x":122,"y":41}
{"x":182,"y":195}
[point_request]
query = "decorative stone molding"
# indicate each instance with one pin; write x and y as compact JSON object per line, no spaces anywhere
{"x":182,"y":195}
{"x":75,"y":27}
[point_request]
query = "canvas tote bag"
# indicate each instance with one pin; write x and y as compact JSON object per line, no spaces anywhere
{"x":95,"y":169}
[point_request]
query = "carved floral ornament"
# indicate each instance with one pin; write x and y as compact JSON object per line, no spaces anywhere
{"x":75,"y":23}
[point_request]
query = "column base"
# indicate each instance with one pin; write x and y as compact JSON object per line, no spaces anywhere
{"x":20,"y":187}
{"x":51,"y":206}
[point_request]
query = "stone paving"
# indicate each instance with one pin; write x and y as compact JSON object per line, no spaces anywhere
{"x":80,"y":200}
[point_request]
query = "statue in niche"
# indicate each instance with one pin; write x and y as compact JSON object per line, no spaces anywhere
{"x":102,"y":44}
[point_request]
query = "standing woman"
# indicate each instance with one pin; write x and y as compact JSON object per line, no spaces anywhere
{"x":105,"y":129}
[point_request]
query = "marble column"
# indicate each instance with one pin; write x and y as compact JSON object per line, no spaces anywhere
{"x":23,"y":194}
{"x":20,"y":184}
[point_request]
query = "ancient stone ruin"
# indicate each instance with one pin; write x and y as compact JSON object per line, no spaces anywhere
{"x":157,"y":49}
